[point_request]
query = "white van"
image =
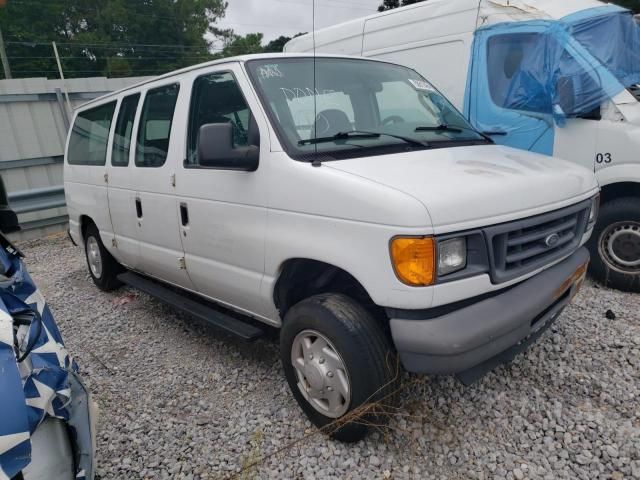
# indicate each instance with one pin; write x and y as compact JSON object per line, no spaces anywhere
{"x":554,"y":77}
{"x":296,"y":199}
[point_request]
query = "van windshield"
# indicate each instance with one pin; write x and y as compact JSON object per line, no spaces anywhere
{"x":342,"y":108}
{"x":614,"y":40}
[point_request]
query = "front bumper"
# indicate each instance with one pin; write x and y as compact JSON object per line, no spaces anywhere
{"x":474,"y":339}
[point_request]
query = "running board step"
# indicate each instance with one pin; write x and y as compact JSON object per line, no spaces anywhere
{"x":196,"y":308}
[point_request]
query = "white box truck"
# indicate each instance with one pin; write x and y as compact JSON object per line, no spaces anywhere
{"x":558,"y":78}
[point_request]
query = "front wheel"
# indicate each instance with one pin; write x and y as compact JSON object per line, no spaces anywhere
{"x":339,"y":364}
{"x":615,"y":245}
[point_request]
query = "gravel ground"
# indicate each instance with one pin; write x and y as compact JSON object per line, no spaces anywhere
{"x":178,"y":400}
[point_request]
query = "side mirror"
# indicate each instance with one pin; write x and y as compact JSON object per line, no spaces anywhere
{"x":216,"y":149}
{"x":8,"y":218}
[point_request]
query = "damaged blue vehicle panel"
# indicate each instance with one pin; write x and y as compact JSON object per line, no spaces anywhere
{"x":45,"y":411}
{"x":530,"y":76}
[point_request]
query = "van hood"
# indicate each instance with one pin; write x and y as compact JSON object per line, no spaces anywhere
{"x":469,"y":187}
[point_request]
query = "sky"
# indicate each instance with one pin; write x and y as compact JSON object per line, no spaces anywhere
{"x":288,"y":17}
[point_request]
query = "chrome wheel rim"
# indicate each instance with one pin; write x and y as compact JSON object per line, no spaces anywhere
{"x":619,"y":246}
{"x":323,"y":378}
{"x":93,"y":256}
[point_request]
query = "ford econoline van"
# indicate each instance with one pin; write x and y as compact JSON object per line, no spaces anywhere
{"x":343,"y":201}
{"x":554,"y":77}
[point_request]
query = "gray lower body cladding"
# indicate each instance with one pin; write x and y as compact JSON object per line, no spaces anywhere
{"x":475,"y":338}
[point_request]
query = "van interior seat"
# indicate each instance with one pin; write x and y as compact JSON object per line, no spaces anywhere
{"x":330,"y":122}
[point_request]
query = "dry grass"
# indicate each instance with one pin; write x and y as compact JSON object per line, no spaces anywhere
{"x":376,"y":415}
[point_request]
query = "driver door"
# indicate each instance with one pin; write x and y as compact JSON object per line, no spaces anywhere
{"x":222,"y":210}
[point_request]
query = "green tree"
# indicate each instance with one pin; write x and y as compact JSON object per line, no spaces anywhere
{"x":278,"y":44}
{"x":108,"y":37}
{"x":630,"y":4}
{"x":251,"y":43}
{"x":243,"y":45}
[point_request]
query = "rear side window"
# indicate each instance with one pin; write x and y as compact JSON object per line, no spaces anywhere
{"x":217,"y":98}
{"x":124,"y":127}
{"x":155,"y":126}
{"x":89,"y":136}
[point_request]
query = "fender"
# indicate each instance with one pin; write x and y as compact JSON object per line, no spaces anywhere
{"x":629,"y":172}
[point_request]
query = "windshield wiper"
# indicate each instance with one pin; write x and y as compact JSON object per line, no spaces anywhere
{"x":443,"y":127}
{"x":455,"y":129}
{"x":339,"y":136}
{"x":355,"y":134}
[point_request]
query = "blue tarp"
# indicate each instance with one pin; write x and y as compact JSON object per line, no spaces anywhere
{"x":34,"y":365}
{"x":613,"y":39}
{"x":526,"y":76}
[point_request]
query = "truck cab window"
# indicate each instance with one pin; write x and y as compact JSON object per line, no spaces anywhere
{"x":124,"y":127}
{"x":512,"y":86}
{"x":217,"y":98}
{"x":90,"y":134}
{"x":154,"y":130}
{"x":532,"y":72}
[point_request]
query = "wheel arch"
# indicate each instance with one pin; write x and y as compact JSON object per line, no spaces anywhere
{"x":615,"y":190}
{"x":617,"y":181}
{"x":85,"y":221}
{"x":300,"y":278}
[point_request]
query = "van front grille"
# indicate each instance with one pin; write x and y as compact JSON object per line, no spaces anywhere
{"x":520,"y":247}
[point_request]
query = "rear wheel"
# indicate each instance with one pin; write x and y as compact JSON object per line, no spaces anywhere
{"x":103,"y":268}
{"x":339,"y":364}
{"x":615,"y":245}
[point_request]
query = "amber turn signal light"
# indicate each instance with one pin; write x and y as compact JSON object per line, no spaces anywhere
{"x":414,"y":260}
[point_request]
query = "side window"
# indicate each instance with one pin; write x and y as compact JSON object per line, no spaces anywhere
{"x":124,"y":127}
{"x":517,"y":75}
{"x":155,"y":126}
{"x":533,"y":72}
{"x":217,"y":98}
{"x":89,"y":136}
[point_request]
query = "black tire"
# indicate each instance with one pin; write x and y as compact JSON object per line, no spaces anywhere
{"x":366,"y":352}
{"x":621,"y":213}
{"x":107,"y":278}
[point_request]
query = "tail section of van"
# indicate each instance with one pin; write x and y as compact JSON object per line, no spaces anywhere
{"x":558,"y":78}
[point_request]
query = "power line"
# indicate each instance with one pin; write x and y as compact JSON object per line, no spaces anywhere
{"x":338,"y":4}
{"x":109,"y":45}
{"x":124,"y":58}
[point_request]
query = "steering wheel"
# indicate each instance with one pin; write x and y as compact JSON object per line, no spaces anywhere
{"x":393,"y":119}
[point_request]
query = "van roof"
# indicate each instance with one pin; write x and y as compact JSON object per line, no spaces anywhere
{"x":237,"y":59}
{"x":488,"y":12}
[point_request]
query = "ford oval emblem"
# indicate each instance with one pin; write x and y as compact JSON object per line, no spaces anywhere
{"x":552,"y":240}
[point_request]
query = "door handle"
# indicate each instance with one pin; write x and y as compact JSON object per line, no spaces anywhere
{"x":184,"y":214}
{"x":138,"y":207}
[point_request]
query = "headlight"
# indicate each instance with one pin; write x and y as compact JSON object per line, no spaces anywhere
{"x":452,"y":255}
{"x":595,"y":208}
{"x":413,"y":260}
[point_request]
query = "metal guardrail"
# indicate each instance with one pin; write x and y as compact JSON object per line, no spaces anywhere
{"x":30,"y":162}
{"x":37,"y":199}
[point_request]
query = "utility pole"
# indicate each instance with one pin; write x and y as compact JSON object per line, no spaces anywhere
{"x":64,"y":82}
{"x":5,"y":60}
